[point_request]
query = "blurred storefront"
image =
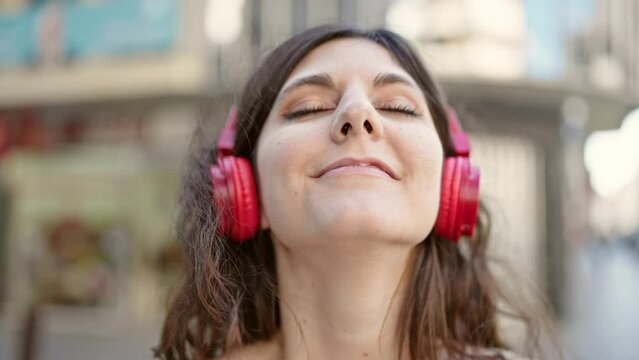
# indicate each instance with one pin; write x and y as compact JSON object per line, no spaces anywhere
{"x":544,"y":75}
{"x":98,"y":100}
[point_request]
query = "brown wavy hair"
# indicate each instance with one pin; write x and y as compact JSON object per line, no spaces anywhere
{"x":229,"y":293}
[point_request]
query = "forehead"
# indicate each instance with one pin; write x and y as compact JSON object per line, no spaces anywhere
{"x":348,"y":56}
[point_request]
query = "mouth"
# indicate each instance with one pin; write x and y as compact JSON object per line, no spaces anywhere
{"x":359,"y":165}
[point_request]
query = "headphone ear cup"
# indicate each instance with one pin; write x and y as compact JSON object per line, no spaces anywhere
{"x":459,"y":202}
{"x":223,"y":198}
{"x":449,"y":201}
{"x":235,"y":197}
{"x":444,"y":201}
{"x":469,"y":200}
{"x":246,"y":207}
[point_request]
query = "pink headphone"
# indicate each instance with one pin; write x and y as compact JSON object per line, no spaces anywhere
{"x":236,"y":199}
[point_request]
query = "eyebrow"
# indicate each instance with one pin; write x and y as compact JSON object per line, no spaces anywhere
{"x":383,"y":79}
{"x":324,"y":80}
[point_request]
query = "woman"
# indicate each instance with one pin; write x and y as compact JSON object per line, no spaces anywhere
{"x":347,"y":135}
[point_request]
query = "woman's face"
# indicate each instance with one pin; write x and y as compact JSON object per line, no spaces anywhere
{"x":349,"y":151}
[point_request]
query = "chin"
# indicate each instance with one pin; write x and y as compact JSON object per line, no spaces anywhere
{"x":384,"y":221}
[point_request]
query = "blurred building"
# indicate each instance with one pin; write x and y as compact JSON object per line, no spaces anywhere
{"x":99,"y":98}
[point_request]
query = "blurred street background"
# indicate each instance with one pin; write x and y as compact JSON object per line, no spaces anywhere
{"x":98,"y":99}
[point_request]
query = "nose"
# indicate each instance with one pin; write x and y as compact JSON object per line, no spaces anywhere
{"x":357,"y":117}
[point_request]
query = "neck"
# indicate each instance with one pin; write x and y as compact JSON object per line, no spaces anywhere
{"x":341,"y":303}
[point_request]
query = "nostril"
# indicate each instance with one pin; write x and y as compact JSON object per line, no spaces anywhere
{"x":368,"y":126}
{"x":345,"y":128}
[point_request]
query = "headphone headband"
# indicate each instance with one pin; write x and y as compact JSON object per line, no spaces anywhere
{"x":226,"y":142}
{"x":461,"y":144}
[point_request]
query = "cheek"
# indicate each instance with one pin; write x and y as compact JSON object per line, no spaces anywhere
{"x":282,"y":155}
{"x":424,"y":156}
{"x":422,"y":152}
{"x":283,"y":159}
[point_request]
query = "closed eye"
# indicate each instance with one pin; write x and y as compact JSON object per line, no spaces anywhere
{"x":310,"y":110}
{"x":404,"y":109}
{"x":317,"y":109}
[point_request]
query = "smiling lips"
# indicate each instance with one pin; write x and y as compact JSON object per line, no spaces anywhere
{"x":370,"y":166}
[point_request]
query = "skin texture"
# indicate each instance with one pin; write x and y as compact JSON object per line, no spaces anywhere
{"x":303,"y":211}
{"x":344,"y":240}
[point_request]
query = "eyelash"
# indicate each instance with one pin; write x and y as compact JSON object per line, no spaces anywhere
{"x":298,"y":113}
{"x":404,"y":109}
